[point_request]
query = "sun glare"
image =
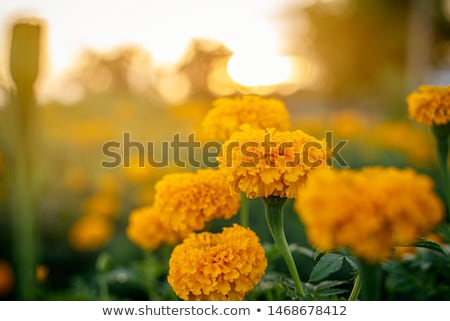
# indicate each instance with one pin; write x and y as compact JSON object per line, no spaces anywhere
{"x":253,"y":71}
{"x":165,"y":30}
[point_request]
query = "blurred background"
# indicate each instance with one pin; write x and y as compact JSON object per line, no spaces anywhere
{"x":152,"y":68}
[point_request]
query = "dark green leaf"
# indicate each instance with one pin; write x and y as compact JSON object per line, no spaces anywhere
{"x":327,"y":264}
{"x":428,"y":245}
{"x":330,"y":292}
{"x":316,"y":254}
{"x":328,"y":284}
{"x":352,"y":261}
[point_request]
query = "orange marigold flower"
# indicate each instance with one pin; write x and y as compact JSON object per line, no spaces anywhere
{"x":228,"y":114}
{"x":146,"y":229}
{"x":264,"y":163}
{"x":222,"y":266}
{"x":430,"y":105}
{"x":6,"y":278}
{"x":188,"y":200}
{"x":42,"y":272}
{"x":90,"y":233}
{"x":370,"y":211}
{"x":102,"y":204}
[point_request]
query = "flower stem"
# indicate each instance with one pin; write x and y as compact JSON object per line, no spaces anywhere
{"x":243,"y":215}
{"x":441,"y":136}
{"x":24,"y":68}
{"x":356,"y":288}
{"x":274,"y":218}
{"x":102,"y":265}
{"x":371,"y":281}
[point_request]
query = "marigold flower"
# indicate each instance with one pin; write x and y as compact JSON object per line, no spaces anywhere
{"x":146,"y":229}
{"x":90,"y":233}
{"x":264,"y":163}
{"x":6,"y":278}
{"x":430,"y":105}
{"x":228,"y":114}
{"x":222,"y":266}
{"x":188,"y":200}
{"x":370,"y":211}
{"x":102,"y":205}
{"x":137,"y":173}
{"x":42,"y":272}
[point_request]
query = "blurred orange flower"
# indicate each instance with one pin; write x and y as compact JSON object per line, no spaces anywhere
{"x":188,"y":200}
{"x":91,"y":233}
{"x":6,"y":278}
{"x":370,"y":211}
{"x":102,"y":205}
{"x":146,"y":229}
{"x":430,"y":105}
{"x":228,"y":114}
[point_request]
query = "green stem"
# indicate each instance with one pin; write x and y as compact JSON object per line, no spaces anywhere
{"x":274,"y":218}
{"x":103,"y":287}
{"x":103,"y":263}
{"x":24,"y":219}
{"x":371,"y":279}
{"x":356,"y":288}
{"x":243,"y":215}
{"x":24,"y":68}
{"x":441,"y":136}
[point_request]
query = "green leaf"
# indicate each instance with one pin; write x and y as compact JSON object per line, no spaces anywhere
{"x":329,"y":284}
{"x":294,"y":248}
{"x":330,"y":292}
{"x":352,"y":261}
{"x":327,"y":264}
{"x":428,"y":245}
{"x":316,"y":254}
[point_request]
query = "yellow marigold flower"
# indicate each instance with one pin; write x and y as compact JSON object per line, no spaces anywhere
{"x":264,"y":163}
{"x":6,"y":278}
{"x":228,"y":114}
{"x":218,"y":267}
{"x":430,"y":105}
{"x":189,"y":200}
{"x":102,"y":205}
{"x":370,"y":211}
{"x":146,"y":229}
{"x":90,"y":233}
{"x":42,"y":272}
{"x":137,"y":173}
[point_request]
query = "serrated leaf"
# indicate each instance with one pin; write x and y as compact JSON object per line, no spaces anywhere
{"x":327,"y":264}
{"x":428,"y":245}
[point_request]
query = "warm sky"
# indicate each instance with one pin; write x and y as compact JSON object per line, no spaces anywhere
{"x":163,"y":27}
{"x":250,"y":28}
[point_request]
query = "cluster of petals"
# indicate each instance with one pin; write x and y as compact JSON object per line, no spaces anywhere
{"x":228,"y":114}
{"x":430,"y":105}
{"x":263,"y":163}
{"x":147,"y":231}
{"x":217,"y":266}
{"x":188,"y":201}
{"x":369,"y":211}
